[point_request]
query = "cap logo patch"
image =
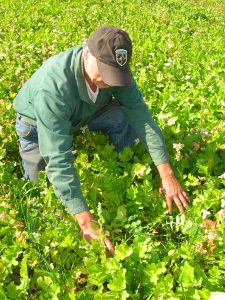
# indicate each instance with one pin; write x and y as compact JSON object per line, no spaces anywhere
{"x":121,"y":56}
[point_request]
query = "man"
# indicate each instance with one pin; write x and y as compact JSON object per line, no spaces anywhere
{"x":90,"y":85}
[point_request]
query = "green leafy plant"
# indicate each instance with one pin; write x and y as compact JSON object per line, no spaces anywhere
{"x":178,"y":51}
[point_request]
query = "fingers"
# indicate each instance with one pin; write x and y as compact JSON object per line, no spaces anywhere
{"x":179,"y":204}
{"x":169,"y":202}
{"x":161,"y":190}
{"x":172,"y":191}
{"x":185,"y":196}
{"x":109,"y":245}
{"x":93,"y":234}
{"x":181,"y":201}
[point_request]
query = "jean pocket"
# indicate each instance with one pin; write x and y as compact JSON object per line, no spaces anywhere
{"x":23,"y":129}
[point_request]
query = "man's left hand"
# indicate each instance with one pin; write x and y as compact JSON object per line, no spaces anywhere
{"x":172,"y":191}
{"x":171,"y":188}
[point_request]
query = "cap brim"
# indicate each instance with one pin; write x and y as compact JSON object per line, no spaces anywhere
{"x":114,"y":76}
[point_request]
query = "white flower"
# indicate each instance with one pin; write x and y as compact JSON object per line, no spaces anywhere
{"x":211,"y":235}
{"x":178,"y":157}
{"x":35,"y":234}
{"x":53,"y":244}
{"x":222,"y":176}
{"x":223,"y":203}
{"x":84,"y":128}
{"x":205,"y":213}
{"x":51,"y":266}
{"x":204,"y":132}
{"x":178,"y":146}
{"x":47,"y":248}
{"x":167,"y":64}
{"x":217,"y":296}
{"x":17,"y":72}
{"x":221,"y":214}
{"x":136,"y":141}
{"x":170,"y":45}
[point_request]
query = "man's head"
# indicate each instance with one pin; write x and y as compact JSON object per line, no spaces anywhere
{"x":110,"y":48}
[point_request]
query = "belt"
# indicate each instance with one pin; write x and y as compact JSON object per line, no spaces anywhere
{"x":24,"y":120}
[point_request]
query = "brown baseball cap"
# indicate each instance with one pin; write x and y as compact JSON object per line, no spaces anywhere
{"x":112,"y":48}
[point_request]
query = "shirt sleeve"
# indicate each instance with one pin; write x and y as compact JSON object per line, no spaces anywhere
{"x":55,"y":143}
{"x":141,"y":121}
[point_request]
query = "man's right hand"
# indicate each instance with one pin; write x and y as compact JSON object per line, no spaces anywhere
{"x":88,"y":227}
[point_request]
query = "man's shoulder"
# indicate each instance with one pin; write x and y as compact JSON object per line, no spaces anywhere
{"x":63,"y":58}
{"x":58,"y":71}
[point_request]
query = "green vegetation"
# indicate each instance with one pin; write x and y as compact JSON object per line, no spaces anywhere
{"x":179,"y":62}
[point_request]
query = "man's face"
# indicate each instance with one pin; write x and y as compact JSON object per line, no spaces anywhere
{"x":91,"y":68}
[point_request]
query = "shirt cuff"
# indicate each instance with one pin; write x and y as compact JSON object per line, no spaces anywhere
{"x":75,"y":206}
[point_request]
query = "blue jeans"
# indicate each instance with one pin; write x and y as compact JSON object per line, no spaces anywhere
{"x":109,"y":120}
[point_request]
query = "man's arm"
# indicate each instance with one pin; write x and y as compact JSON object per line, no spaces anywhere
{"x":55,"y":143}
{"x":151,"y":136}
{"x":140,"y":119}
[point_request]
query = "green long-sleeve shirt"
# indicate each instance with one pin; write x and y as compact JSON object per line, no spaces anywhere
{"x":55,"y":99}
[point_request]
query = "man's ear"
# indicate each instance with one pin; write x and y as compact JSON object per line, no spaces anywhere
{"x":86,"y":52}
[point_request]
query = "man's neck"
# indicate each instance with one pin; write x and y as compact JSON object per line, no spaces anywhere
{"x":91,"y":84}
